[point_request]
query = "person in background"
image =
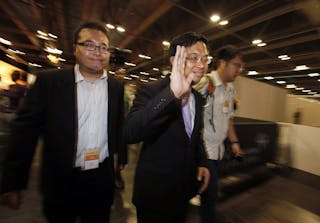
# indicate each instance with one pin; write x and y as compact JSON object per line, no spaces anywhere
{"x":17,"y":90}
{"x":167,"y":116}
{"x":217,"y":88}
{"x":79,"y":113}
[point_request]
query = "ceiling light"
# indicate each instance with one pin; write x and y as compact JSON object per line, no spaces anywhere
{"x":224,"y":22}
{"x":318,"y":79}
{"x":133,"y":75}
{"x":286,"y":58}
{"x":291,"y":86}
{"x":155,"y":69}
{"x":52,"y":36}
{"x":10,"y":56}
{"x":110,"y":26}
{"x":314,"y":75}
{"x":269,"y":78}
{"x":144,"y":73}
{"x":262,"y":44}
{"x":53,"y":50}
{"x":121,"y":29}
{"x":165,"y":43}
{"x":163,"y":76}
{"x":130,"y":64}
{"x":34,"y":64}
{"x":301,"y":67}
{"x":281,"y":82}
{"x":306,"y":91}
{"x":144,"y":56}
{"x":215,"y":18}
{"x":42,"y":33}
{"x":282,"y":56}
{"x":299,"y":88}
{"x":16,"y":52}
{"x":256,"y":41}
{"x":6,"y":42}
{"x":252,"y":72}
{"x":143,"y":80}
{"x":153,"y":79}
{"x":61,"y":59}
{"x":127,"y":78}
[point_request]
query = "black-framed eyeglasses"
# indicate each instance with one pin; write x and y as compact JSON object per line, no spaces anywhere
{"x":194,"y":58}
{"x":91,"y":46}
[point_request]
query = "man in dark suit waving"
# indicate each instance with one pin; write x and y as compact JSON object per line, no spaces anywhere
{"x":79,"y":113}
{"x":167,"y":117}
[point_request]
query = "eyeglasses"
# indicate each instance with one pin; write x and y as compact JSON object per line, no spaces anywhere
{"x":90,"y":46}
{"x":194,"y":58}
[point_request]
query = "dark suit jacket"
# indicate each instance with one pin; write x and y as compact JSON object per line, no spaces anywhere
{"x":50,"y":110}
{"x":168,"y":162}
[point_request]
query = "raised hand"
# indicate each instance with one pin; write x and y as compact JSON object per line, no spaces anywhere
{"x":180,"y":83}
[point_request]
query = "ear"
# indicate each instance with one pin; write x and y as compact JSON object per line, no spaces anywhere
{"x":171,"y":59}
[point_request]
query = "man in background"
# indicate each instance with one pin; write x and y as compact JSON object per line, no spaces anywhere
{"x":217,"y":88}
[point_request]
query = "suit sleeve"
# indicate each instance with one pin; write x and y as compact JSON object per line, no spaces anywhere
{"x":24,"y":133}
{"x":149,"y":111}
{"x":202,"y":153}
{"x":121,"y":145}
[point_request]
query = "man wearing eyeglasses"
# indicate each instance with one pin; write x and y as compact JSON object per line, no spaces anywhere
{"x":79,"y":113}
{"x":217,"y":88}
{"x":167,"y":116}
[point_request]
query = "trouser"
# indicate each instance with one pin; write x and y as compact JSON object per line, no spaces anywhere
{"x":164,"y":214}
{"x":210,"y":195}
{"x":90,"y":198}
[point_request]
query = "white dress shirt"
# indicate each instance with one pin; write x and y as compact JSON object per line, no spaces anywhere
{"x":92,"y":103}
{"x":216,"y":117}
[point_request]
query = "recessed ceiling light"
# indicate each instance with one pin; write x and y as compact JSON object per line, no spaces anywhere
{"x":301,"y":67}
{"x":286,"y":58}
{"x":224,"y":22}
{"x":166,"y":43}
{"x":262,"y":44}
{"x":155,"y":69}
{"x":269,"y":78}
{"x":318,"y":79}
{"x":130,"y":64}
{"x":256,"y":41}
{"x":153,"y":79}
{"x":281,"y":82}
{"x":299,"y":88}
{"x":144,"y":56}
{"x":314,"y":75}
{"x":121,"y":29}
{"x":252,"y":72}
{"x":133,"y":75}
{"x":282,"y":56}
{"x":6,"y":42}
{"x":144,"y":73}
{"x":215,"y":18}
{"x":291,"y":86}
{"x":306,"y":91}
{"x":110,"y":26}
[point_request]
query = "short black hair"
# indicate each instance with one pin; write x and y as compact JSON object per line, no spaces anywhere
{"x":15,"y":75}
{"x":186,"y":39}
{"x":227,"y":53}
{"x":90,"y":25}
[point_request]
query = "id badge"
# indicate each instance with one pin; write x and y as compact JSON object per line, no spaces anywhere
{"x":91,"y":159}
{"x":226,"y":106}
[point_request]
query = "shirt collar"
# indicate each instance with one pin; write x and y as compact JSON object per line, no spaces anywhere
{"x":80,"y":78}
{"x":214,"y":76}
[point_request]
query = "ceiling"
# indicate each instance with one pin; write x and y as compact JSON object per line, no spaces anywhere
{"x":288,"y":27}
